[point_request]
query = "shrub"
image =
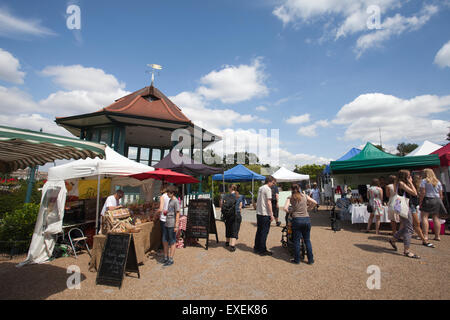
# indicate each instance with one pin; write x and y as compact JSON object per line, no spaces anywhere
{"x":19,"y":225}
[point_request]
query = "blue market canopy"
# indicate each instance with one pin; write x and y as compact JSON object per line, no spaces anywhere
{"x":21,"y":148}
{"x":238,"y":174}
{"x":353,"y":152}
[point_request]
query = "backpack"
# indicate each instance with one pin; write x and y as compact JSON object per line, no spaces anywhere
{"x":228,"y":207}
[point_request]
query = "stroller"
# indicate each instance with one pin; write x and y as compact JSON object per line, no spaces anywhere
{"x":287,"y":239}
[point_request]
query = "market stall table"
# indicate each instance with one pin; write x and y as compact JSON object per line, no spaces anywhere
{"x":360,"y":214}
{"x":148,"y":239}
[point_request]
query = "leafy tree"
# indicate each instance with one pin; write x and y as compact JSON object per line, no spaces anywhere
{"x":313,"y":170}
{"x":405,"y":148}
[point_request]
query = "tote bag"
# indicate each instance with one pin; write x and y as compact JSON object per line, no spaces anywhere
{"x":400,"y":205}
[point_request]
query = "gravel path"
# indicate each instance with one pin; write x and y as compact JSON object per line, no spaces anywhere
{"x":340,"y":271}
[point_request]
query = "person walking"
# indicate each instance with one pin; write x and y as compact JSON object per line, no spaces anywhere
{"x":375,"y":196}
{"x":430,"y":202}
{"x":390,"y":194}
{"x":404,"y":186}
{"x":297,"y":206}
{"x":275,"y":198}
{"x":264,"y":216}
{"x":163,"y":207}
{"x":171,"y":224}
{"x":417,"y":180}
{"x":236,"y":223}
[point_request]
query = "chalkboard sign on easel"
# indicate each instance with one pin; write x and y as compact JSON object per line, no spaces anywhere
{"x":201,"y":220}
{"x":118,"y":257}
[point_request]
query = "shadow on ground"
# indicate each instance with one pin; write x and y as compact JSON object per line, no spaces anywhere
{"x":37,"y":282}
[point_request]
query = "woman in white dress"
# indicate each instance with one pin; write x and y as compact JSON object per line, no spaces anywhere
{"x":390,"y":193}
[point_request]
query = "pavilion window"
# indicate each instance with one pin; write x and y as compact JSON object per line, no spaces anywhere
{"x":95,"y":135}
{"x":156,"y":156}
{"x":133,"y":153}
{"x":144,"y":155}
{"x":106,"y":136}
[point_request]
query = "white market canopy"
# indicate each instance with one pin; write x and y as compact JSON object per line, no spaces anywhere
{"x":425,"y":149}
{"x":285,"y":175}
{"x":51,"y":211}
{"x":113,"y":164}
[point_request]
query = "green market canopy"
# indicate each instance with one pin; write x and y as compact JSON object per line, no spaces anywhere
{"x":372,"y":159}
{"x":21,"y":148}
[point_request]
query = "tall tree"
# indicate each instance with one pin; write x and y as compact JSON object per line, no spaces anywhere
{"x":405,"y":148}
{"x":313,"y":170}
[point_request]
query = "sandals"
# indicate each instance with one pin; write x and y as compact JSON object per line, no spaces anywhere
{"x":392,"y":242}
{"x":437,"y":239}
{"x":411,"y":255}
{"x":428,"y":244}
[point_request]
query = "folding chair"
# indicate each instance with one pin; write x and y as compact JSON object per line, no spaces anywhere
{"x":79,"y":238}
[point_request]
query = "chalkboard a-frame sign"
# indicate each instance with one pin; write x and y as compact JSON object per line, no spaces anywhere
{"x":201,"y":220}
{"x":118,"y":257}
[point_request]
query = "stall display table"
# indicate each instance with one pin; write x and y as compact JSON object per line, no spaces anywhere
{"x":148,"y":239}
{"x":360,"y":214}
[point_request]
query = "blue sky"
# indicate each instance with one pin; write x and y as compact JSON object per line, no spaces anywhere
{"x":312,"y":69}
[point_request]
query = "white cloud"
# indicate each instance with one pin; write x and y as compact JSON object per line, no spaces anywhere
{"x":234,"y":84}
{"x":344,"y":18}
{"x":14,"y":101}
{"x":33,"y":121}
{"x":310,"y":131}
{"x":261,"y":108}
{"x":77,"y":77}
{"x":10,"y":68}
{"x":229,"y":85}
{"x":299,"y":119}
{"x":89,"y":89}
{"x":394,"y":26}
{"x":12,"y":26}
{"x":195,"y":108}
{"x":399,"y":119}
{"x":442,"y":58}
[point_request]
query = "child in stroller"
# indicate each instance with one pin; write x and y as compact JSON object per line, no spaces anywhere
{"x":287,"y":238}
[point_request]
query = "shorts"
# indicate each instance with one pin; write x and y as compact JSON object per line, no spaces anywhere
{"x":431,"y":205}
{"x":275,"y":209}
{"x":168,"y":235}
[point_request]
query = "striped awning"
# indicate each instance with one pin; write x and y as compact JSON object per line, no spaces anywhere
{"x":20,"y":148}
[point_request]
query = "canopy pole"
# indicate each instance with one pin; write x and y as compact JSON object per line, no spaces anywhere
{"x":98,"y":200}
{"x":253,"y":188}
{"x":30,"y":184}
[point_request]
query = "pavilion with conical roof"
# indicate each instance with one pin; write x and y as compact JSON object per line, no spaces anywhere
{"x":138,"y":126}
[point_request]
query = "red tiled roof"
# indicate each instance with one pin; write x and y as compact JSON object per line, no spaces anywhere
{"x":136,"y":104}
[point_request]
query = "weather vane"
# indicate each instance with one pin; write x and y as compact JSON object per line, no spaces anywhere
{"x":154,"y":67}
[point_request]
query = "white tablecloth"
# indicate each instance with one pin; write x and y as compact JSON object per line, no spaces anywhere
{"x":361,"y":215}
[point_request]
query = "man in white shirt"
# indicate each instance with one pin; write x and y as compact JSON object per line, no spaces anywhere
{"x":264,"y":215}
{"x":112,"y":202}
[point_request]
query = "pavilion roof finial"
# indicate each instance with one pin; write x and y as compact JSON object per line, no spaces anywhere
{"x":154,"y":67}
